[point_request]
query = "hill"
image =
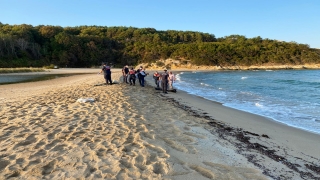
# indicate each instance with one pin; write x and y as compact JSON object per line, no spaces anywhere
{"x":86,"y":46}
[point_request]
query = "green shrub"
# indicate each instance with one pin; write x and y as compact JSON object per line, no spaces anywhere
{"x":160,"y":63}
{"x":51,"y":66}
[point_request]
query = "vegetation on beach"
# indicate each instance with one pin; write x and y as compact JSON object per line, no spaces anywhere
{"x":86,"y":46}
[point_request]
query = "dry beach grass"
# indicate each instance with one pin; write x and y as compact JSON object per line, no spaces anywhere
{"x":128,"y":132}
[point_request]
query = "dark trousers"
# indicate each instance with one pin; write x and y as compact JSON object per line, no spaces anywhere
{"x":108,"y":78}
{"x":156,"y":81}
{"x":164,"y":85}
{"x":139,"y":78}
{"x":132,"y":79}
{"x":142,"y":81}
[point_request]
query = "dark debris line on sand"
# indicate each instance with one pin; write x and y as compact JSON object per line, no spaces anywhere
{"x":243,"y":144}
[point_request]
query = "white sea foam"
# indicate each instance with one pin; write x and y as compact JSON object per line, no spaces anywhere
{"x":178,"y":77}
{"x":258,"y":105}
{"x":204,"y":84}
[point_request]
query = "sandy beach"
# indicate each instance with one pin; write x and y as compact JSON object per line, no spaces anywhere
{"x":133,"y":132}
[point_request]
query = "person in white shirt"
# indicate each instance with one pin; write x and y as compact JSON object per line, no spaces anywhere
{"x":171,"y":80}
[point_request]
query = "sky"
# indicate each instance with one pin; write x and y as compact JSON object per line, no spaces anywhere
{"x":285,"y":20}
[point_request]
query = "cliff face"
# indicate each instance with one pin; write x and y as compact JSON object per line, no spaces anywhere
{"x":186,"y":65}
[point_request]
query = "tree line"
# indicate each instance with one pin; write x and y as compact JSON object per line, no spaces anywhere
{"x":86,"y":46}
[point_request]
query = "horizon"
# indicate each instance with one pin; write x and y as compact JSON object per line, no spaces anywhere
{"x":289,"y":21}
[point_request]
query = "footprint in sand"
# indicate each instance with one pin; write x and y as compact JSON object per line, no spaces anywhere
{"x":40,"y":153}
{"x":47,"y":169}
{"x":52,"y":144}
{"x":29,"y":140}
{"x":40,"y":144}
{"x":54,"y":134}
{"x":3,"y":164}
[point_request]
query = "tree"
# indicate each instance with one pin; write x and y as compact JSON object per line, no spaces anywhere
{"x":85,"y":46}
{"x":50,"y":31}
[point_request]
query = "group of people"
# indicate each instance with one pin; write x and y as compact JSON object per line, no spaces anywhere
{"x":130,"y":75}
{"x":164,"y":80}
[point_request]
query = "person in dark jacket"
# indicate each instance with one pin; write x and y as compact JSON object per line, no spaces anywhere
{"x":107,"y":73}
{"x":125,"y":73}
{"x":139,"y":75}
{"x":164,"y":81}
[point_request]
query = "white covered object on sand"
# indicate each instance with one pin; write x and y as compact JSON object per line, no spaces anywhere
{"x":83,"y":100}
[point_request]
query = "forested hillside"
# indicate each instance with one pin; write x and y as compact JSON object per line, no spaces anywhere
{"x":87,"y":46}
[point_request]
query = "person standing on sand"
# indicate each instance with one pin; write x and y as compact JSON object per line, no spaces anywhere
{"x":132,"y":77}
{"x":171,"y":80}
{"x":139,"y":75}
{"x":125,"y":73}
{"x":156,"y":77}
{"x":160,"y":81}
{"x":142,"y":75}
{"x":107,"y":73}
{"x":164,"y":81}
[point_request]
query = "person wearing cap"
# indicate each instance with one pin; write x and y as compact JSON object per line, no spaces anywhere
{"x":164,"y":81}
{"x":107,"y":73}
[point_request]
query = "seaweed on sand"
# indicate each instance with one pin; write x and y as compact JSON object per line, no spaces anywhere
{"x":241,"y":140}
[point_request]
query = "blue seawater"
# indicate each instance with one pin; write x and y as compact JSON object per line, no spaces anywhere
{"x":291,"y":97}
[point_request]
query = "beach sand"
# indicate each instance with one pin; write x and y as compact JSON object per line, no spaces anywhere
{"x":133,"y":132}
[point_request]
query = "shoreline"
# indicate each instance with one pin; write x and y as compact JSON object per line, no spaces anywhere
{"x":265,"y":117}
{"x":292,"y":141}
{"x":269,"y":118}
{"x":192,"y":102}
{"x":135,"y":132}
{"x":78,"y":71}
{"x":199,"y":103}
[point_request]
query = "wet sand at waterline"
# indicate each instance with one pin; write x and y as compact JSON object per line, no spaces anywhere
{"x":133,"y":132}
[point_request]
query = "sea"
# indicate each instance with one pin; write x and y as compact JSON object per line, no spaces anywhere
{"x":291,"y":97}
{"x":21,"y":78}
